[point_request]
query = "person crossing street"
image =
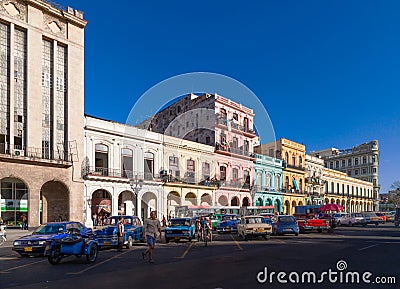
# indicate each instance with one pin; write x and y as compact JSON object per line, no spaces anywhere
{"x":151,"y":230}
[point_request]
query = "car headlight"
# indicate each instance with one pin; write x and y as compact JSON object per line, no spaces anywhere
{"x":42,"y":242}
{"x":17,"y":243}
{"x":169,"y":232}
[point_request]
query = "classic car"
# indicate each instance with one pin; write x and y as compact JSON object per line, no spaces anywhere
{"x":215,"y":219}
{"x":228,"y":224}
{"x":253,"y":226}
{"x":285,"y":225}
{"x":35,"y":244}
{"x":107,"y":236}
{"x":371,"y":218}
{"x":357,"y":219}
{"x":180,"y":228}
{"x":311,"y":222}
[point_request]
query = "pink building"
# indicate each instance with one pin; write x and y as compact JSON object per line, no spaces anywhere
{"x":234,"y":139}
{"x":213,"y":120}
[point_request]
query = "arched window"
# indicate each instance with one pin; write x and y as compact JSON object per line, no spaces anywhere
{"x":293,"y":160}
{"x":286,"y":158}
{"x":101,"y":159}
{"x":300,"y":162}
{"x":148,"y":165}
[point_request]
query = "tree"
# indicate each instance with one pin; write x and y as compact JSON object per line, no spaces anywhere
{"x":394,"y":195}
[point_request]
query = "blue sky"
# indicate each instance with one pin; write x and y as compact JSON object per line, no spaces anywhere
{"x":327,"y":72}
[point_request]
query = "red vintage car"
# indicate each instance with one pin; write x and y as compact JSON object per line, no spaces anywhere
{"x":311,"y":223}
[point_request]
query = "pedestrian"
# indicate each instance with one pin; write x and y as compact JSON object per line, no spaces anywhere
{"x":151,"y":230}
{"x":120,"y":233}
{"x":24,"y":222}
{"x":94,"y":219}
{"x":164,"y":221}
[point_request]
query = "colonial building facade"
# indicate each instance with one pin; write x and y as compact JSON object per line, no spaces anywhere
{"x":268,"y":180}
{"x":315,"y":183}
{"x":353,"y":194}
{"x":360,"y":162}
{"x":41,"y":112}
{"x":121,"y":170}
{"x":293,"y":156}
{"x":211,"y":119}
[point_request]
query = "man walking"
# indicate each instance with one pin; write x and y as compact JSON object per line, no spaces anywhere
{"x":120,"y":233}
{"x":151,"y":229}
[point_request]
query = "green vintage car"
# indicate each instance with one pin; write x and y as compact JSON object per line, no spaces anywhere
{"x":215,"y":219}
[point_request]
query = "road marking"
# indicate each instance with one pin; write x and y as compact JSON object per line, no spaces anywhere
{"x":186,"y":251}
{"x":237,"y":243}
{"x":98,"y":264}
{"x":21,"y":266}
{"x":365,"y":248}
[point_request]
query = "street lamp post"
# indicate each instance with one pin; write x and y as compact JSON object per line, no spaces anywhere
{"x":136,"y":184}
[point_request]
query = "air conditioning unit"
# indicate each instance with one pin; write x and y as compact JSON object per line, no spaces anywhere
{"x":19,"y":153}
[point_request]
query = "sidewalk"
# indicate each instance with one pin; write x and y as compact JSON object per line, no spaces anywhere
{"x":13,"y":234}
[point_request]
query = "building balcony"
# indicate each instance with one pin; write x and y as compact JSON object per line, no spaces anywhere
{"x":286,"y":165}
{"x":32,"y":155}
{"x":232,"y":124}
{"x":234,"y":184}
{"x":316,"y":181}
{"x":258,"y":188}
{"x":89,"y":172}
{"x":225,"y":148}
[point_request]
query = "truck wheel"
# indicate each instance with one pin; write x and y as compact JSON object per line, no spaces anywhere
{"x":130,"y":242}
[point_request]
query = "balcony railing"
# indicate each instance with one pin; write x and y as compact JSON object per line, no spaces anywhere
{"x":118,"y":173}
{"x":258,"y":188}
{"x":32,"y":153}
{"x":224,"y":121}
{"x":238,"y":151}
{"x":234,"y":184}
{"x":286,"y":165}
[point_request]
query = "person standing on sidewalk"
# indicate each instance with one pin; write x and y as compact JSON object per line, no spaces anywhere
{"x":120,"y":233}
{"x":151,"y":230}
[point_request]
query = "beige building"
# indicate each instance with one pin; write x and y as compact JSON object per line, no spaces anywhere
{"x":188,"y":166}
{"x":294,"y":173}
{"x":41,"y":112}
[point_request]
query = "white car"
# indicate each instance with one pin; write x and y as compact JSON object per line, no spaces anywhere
{"x":253,"y":226}
{"x":342,"y":219}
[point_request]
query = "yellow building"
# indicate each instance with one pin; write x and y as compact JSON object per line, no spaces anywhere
{"x":293,"y":156}
{"x":353,"y":194}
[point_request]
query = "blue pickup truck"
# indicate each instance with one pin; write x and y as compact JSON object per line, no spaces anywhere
{"x":133,"y":229}
{"x":180,"y":228}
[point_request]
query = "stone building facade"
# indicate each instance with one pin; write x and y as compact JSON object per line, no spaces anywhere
{"x":41,"y":112}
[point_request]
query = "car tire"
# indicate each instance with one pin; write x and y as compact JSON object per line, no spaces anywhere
{"x":296,"y":234}
{"x":319,"y":230}
{"x":267,"y":236}
{"x":190,"y":239}
{"x":339,"y":224}
{"x":92,"y":256}
{"x":166,"y":240}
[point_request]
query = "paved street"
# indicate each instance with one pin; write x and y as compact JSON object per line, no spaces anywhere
{"x":227,"y":262}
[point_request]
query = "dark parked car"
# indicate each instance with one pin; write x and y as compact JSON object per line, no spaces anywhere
{"x":285,"y":225}
{"x":35,"y":244}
